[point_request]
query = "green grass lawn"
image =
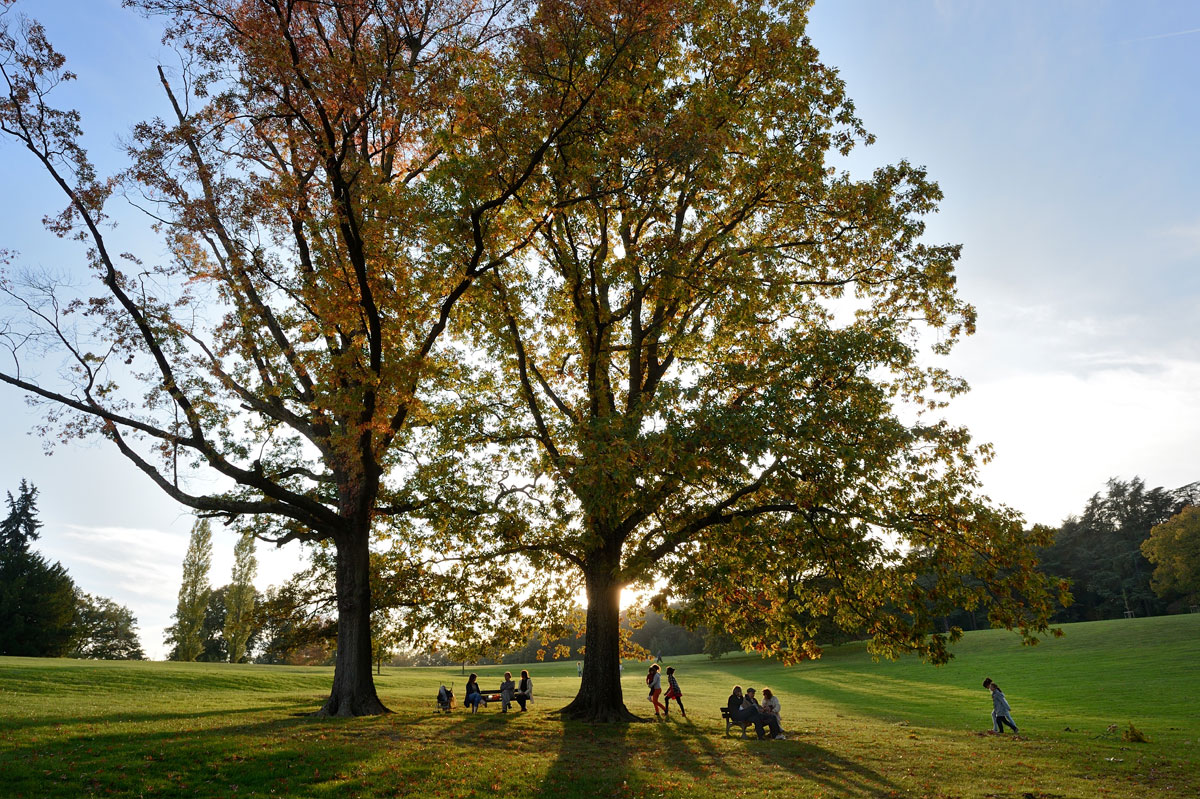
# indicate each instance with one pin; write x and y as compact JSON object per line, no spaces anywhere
{"x":858,"y":728}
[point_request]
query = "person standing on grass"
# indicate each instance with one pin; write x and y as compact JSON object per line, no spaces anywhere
{"x":654,"y":681}
{"x":507,"y":689}
{"x":524,"y":690}
{"x":673,"y":692}
{"x":1001,"y":712}
{"x":474,"y":697}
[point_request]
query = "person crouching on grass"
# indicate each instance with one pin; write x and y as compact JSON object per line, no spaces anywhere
{"x":1001,"y":712}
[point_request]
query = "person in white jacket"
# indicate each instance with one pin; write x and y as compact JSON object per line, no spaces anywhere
{"x":1001,"y":712}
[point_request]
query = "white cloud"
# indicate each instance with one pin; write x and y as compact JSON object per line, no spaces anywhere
{"x":141,"y":568}
{"x":1059,"y":435}
{"x":1188,"y":236}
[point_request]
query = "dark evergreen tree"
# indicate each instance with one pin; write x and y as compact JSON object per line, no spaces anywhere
{"x":37,"y":606}
{"x":21,"y":525}
{"x":37,"y":599}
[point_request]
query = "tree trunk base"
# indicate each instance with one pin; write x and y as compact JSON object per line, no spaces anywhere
{"x":340,"y":707}
{"x":597,"y":713}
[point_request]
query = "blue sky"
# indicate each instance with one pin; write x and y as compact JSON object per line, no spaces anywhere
{"x":1064,"y":135}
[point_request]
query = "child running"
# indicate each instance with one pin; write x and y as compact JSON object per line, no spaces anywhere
{"x":673,"y":692}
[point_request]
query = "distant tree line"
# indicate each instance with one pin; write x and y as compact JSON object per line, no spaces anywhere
{"x":1103,"y":552}
{"x":1133,"y":551}
{"x":648,"y":636}
{"x":42,"y":612}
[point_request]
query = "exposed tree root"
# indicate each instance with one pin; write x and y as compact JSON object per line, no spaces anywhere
{"x":335,"y":707}
{"x":596,"y":713}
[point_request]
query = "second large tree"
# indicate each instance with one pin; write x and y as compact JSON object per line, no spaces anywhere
{"x":713,"y":349}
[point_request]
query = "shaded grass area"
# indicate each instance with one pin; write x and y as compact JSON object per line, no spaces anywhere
{"x":857,"y":728}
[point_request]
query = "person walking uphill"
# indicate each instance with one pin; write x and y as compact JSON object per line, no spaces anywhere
{"x":1001,"y":712}
{"x":673,"y":692}
{"x":654,"y":681}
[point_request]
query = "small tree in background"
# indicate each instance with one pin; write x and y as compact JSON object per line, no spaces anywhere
{"x":292,"y":628}
{"x":239,"y":613}
{"x":1174,"y":549}
{"x":105,"y":630}
{"x":185,"y":634}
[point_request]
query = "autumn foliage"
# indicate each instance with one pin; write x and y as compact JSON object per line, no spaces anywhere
{"x":541,"y":288}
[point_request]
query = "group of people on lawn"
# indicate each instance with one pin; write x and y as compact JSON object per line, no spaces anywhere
{"x":510,"y":691}
{"x":743,"y":707}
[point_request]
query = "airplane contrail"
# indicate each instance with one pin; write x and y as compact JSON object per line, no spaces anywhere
{"x":1164,"y":35}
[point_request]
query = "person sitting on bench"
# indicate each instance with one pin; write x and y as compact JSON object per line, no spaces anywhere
{"x":474,"y":697}
{"x":507,"y":689}
{"x":524,"y":690}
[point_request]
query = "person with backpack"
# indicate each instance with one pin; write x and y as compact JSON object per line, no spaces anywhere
{"x":654,"y":681}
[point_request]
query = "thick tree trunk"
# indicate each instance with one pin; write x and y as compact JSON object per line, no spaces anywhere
{"x":353,"y":691}
{"x":599,"y":698}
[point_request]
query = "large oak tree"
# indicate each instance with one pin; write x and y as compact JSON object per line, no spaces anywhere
{"x":330,"y":179}
{"x":714,"y":344}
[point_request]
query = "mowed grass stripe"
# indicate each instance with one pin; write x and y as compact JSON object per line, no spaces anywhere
{"x":860,"y":728}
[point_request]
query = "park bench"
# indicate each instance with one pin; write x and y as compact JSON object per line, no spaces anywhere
{"x":730,"y":722}
{"x":494,"y":696}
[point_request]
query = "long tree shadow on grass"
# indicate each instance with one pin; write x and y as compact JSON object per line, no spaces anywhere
{"x":816,"y":766}
{"x":290,"y":705}
{"x":286,"y":757}
{"x":593,"y":760}
{"x":677,"y":759}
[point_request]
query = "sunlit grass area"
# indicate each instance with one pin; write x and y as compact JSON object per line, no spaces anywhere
{"x":857,"y":728}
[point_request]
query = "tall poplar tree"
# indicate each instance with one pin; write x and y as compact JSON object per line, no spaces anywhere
{"x":239,"y":599}
{"x":186,"y":634}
